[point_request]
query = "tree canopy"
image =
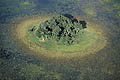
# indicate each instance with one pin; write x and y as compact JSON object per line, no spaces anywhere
{"x":61,"y":28}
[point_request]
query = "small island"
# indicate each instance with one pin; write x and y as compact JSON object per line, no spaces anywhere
{"x":63,"y":29}
{"x":60,"y":34}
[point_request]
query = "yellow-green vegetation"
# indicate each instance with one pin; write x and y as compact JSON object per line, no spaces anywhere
{"x":117,"y":7}
{"x":31,"y":72}
{"x":119,"y":13}
{"x":107,"y":0}
{"x":26,"y":3}
{"x":90,"y":11}
{"x":85,"y":40}
{"x":92,"y":41}
{"x":26,"y":71}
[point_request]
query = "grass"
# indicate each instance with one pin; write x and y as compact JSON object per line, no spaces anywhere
{"x":117,"y":7}
{"x":31,"y":72}
{"x":92,"y":41}
{"x":26,"y":3}
{"x":90,"y":11}
{"x":85,"y":40}
{"x":104,"y":65}
{"x":21,"y":70}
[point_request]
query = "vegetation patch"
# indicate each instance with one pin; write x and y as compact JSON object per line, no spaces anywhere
{"x":26,"y":3}
{"x":63,"y":33}
{"x":90,"y":11}
{"x":64,"y":29}
{"x":90,"y":40}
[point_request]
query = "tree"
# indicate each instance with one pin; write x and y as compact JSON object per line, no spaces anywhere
{"x":62,"y":28}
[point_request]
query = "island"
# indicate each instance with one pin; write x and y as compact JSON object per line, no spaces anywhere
{"x":63,"y":29}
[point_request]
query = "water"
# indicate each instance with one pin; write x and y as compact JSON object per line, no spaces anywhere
{"x":104,"y":65}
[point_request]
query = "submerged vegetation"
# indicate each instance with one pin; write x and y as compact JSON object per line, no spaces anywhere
{"x":13,"y":8}
{"x":18,"y":63}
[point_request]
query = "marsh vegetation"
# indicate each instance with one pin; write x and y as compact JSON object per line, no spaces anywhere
{"x":22,"y":59}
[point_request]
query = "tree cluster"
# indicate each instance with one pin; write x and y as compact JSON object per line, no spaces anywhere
{"x":62,"y":28}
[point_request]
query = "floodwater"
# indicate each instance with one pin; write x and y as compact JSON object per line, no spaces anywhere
{"x":19,"y":65}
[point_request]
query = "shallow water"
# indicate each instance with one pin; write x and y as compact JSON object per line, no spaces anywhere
{"x":104,"y":65}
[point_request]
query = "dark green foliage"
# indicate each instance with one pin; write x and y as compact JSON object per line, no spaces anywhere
{"x":61,"y":28}
{"x":4,"y":54}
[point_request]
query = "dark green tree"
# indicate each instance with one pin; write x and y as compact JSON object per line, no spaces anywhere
{"x":61,"y":28}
